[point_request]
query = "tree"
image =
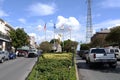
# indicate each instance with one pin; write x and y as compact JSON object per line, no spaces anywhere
{"x":19,"y":38}
{"x":45,"y":46}
{"x":68,"y":44}
{"x":84,"y":46}
{"x":99,"y":41}
{"x":54,"y":40}
{"x":114,"y":36}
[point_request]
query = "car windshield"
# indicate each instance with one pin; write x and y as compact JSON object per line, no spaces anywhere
{"x":98,"y":51}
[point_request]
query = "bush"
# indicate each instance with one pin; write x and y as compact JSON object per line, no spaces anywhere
{"x":54,"y":67}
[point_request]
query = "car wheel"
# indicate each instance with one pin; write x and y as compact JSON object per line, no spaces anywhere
{"x":2,"y":60}
{"x":86,"y":61}
{"x":113,"y":65}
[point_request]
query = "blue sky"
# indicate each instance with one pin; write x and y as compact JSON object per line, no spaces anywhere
{"x":33,"y":14}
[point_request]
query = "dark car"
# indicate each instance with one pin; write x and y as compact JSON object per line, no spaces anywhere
{"x":12,"y":55}
{"x":83,"y":53}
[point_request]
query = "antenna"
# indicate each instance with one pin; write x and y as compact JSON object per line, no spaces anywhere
{"x":89,"y":22}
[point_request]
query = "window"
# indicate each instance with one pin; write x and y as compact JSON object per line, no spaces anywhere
{"x":98,"y":51}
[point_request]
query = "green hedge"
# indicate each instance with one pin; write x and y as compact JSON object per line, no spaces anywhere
{"x":53,"y":67}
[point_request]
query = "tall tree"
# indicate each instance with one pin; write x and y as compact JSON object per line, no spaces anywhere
{"x":68,"y":45}
{"x":19,"y":38}
{"x":54,"y":40}
{"x":84,"y":46}
{"x":114,"y":36}
{"x":45,"y":46}
{"x":99,"y":41}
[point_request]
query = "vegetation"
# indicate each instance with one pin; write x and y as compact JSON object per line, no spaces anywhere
{"x":85,"y":46}
{"x":68,"y":44}
{"x":99,"y":41}
{"x":54,"y":40}
{"x":114,"y":36}
{"x":19,"y":38}
{"x":54,"y":67}
{"x":45,"y":46}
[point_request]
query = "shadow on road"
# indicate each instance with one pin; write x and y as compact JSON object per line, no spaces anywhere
{"x":102,"y":68}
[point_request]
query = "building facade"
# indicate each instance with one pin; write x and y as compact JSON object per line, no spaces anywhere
{"x":5,"y":41}
{"x":32,"y":42}
{"x":99,"y":37}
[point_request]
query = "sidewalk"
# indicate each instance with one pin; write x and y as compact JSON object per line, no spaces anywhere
{"x":77,"y":58}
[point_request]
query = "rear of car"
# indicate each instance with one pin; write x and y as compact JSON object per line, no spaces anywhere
{"x":4,"y":55}
{"x":100,"y":55}
{"x":12,"y":55}
{"x":117,"y":53}
{"x":32,"y":53}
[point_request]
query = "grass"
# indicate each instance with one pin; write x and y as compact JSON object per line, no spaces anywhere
{"x":51,"y":66}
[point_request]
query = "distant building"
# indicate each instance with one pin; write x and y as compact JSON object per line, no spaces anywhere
{"x":32,"y":42}
{"x":5,"y":41}
{"x":59,"y":48}
{"x":103,"y":33}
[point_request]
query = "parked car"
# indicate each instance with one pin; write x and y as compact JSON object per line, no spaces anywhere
{"x":101,"y":56}
{"x":12,"y":55}
{"x":4,"y":55}
{"x":33,"y":53}
{"x":117,"y":53}
{"x":82,"y":53}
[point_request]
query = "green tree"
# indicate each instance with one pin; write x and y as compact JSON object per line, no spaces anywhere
{"x":114,"y":36}
{"x":19,"y":38}
{"x":54,"y":40}
{"x":68,"y":44}
{"x":45,"y":46}
{"x":99,"y":41}
{"x":84,"y":46}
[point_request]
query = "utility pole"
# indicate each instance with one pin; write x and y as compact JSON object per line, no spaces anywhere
{"x":89,"y":30}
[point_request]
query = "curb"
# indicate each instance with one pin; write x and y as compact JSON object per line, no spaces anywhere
{"x":77,"y":78}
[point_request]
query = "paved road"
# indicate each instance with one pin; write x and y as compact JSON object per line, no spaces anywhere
{"x":17,"y":69}
{"x":97,"y":73}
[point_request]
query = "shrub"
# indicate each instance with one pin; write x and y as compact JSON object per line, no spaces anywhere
{"x":54,"y":67}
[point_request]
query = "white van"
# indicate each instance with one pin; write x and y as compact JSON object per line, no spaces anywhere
{"x":117,"y":53}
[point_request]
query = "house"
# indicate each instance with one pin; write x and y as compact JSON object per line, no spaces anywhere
{"x":5,"y":41}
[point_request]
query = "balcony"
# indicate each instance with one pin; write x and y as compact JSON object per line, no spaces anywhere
{"x":4,"y":37}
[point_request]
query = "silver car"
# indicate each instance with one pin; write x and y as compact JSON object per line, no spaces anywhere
{"x":4,"y":55}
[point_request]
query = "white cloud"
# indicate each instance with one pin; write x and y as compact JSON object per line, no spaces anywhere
{"x":106,"y":24}
{"x":41,"y":37}
{"x":110,"y":4}
{"x":32,"y":34}
{"x":40,"y":9}
{"x":39,"y":27}
{"x":2,"y":13}
{"x":70,"y":22}
{"x":22,"y":20}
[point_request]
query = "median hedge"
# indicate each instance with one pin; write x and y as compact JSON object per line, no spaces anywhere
{"x":53,"y":67}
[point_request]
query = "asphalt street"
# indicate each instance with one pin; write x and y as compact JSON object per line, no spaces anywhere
{"x":98,"y":72}
{"x":17,"y":69}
